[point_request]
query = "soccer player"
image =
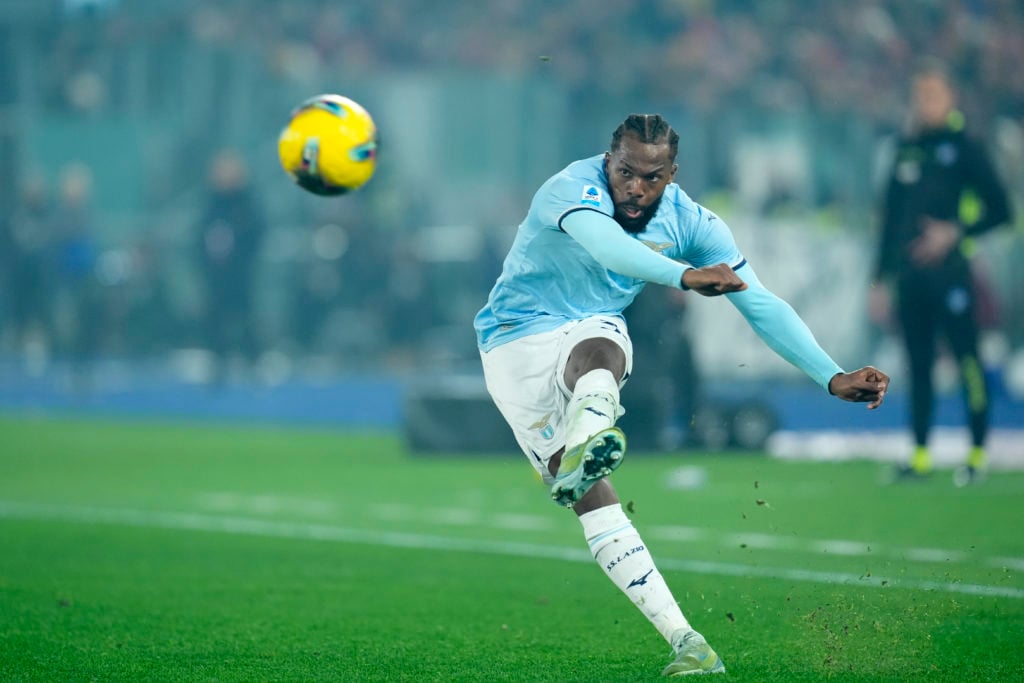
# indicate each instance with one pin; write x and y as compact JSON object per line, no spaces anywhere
{"x":555,"y":348}
{"x":926,"y":235}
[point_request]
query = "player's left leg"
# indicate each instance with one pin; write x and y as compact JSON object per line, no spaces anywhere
{"x":961,"y":331}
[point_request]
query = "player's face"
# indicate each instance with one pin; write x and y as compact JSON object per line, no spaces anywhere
{"x":638,"y":173}
{"x":933,"y":101}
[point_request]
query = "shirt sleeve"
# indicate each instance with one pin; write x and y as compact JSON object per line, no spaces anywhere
{"x":567,"y":194}
{"x":779,"y":326}
{"x":888,"y":253}
{"x":713,"y":243}
{"x":608,"y":243}
{"x":982,"y":178}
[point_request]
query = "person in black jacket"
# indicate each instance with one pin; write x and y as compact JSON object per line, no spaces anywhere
{"x":943,"y":191}
{"x":230,"y":236}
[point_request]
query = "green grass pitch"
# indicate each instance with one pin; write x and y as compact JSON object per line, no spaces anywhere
{"x":164,"y":552}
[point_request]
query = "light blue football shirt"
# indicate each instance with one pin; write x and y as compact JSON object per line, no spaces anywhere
{"x":548,"y":278}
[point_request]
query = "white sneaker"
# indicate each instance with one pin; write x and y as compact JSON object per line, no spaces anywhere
{"x":693,"y":656}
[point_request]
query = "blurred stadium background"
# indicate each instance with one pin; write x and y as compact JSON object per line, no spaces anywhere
{"x":211,"y":382}
{"x":133,"y":134}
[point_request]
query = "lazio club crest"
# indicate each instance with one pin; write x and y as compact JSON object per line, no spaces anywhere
{"x":545,"y":428}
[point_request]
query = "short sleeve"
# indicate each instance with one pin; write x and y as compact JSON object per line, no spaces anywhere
{"x":566,"y":193}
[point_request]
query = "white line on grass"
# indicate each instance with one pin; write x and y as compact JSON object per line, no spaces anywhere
{"x":936,"y":555}
{"x":844,"y":547}
{"x":223,"y":502}
{"x":190,"y":521}
{"x":1008,"y":562}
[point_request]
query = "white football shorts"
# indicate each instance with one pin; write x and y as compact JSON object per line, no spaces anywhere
{"x":526,"y":379}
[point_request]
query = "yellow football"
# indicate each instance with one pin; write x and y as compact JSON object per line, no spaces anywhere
{"x":329,"y":145}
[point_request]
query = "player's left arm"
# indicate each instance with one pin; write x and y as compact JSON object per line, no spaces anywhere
{"x":981,"y":177}
{"x":786,"y":334}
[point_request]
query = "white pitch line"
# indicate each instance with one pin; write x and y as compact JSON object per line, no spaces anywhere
{"x":392,"y":511}
{"x":256,"y":504}
{"x":760,"y":541}
{"x":843,"y":547}
{"x":455,"y":516}
{"x":675,"y":533}
{"x":840,"y":547}
{"x":1008,"y":562}
{"x":266,"y":504}
{"x":936,"y":555}
{"x":222,"y":502}
{"x":521,"y":522}
{"x":189,"y":521}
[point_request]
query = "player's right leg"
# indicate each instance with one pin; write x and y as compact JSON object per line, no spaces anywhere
{"x":595,"y":361}
{"x":527,"y":381}
{"x":594,"y":447}
{"x":586,"y":464}
{"x":919,"y":324}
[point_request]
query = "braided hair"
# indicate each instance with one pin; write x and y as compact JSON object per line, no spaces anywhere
{"x":647,"y":128}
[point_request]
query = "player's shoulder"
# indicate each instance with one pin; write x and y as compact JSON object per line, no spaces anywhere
{"x":682,"y":207}
{"x":578,"y":174}
{"x":582,"y":183}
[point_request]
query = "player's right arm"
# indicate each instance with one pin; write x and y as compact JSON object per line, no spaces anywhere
{"x":888,"y":255}
{"x":608,"y":243}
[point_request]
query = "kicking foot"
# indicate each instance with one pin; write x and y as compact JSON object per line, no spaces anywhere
{"x":693,"y":656}
{"x":587,"y":464}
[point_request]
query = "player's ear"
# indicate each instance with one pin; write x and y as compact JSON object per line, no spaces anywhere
{"x":675,"y":167}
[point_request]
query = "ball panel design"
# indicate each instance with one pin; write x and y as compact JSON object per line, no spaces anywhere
{"x":330,"y":145}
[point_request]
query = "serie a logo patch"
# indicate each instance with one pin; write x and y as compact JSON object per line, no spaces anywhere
{"x":591,"y":195}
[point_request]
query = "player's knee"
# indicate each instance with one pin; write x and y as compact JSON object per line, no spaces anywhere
{"x":594,"y":354}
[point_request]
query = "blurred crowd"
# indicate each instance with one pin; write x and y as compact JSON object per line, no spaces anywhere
{"x":849,"y":59}
{"x":231,"y":286}
{"x":214,"y":258}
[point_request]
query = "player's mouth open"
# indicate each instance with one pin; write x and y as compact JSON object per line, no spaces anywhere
{"x":632,"y":211}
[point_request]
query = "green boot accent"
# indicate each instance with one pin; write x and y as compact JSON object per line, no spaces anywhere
{"x":921,"y":460}
{"x":977,"y":458}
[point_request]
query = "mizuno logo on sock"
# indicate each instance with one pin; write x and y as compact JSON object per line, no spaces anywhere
{"x":642,"y":581}
{"x":595,"y":411}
